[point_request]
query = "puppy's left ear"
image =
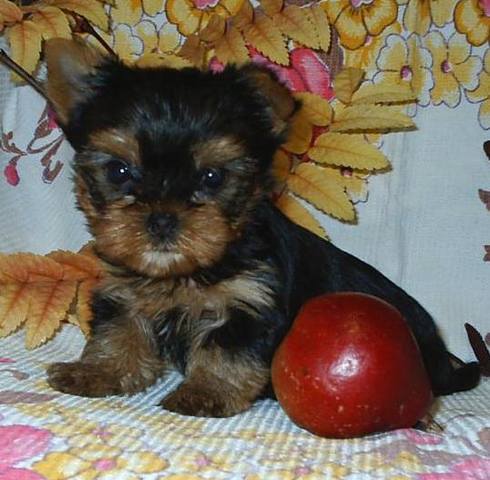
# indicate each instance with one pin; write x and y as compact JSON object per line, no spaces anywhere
{"x":282,"y":103}
{"x":70,"y":62}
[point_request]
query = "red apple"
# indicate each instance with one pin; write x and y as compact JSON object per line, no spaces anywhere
{"x":350,"y":366}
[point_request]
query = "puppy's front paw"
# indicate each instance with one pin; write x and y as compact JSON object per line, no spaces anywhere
{"x":82,"y":379}
{"x":199,"y":402}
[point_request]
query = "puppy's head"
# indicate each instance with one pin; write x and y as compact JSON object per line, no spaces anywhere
{"x":170,"y":163}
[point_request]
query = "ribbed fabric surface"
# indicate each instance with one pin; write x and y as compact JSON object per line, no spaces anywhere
{"x":48,"y":435}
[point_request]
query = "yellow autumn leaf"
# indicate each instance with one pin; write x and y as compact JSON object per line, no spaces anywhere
{"x":281,"y":166}
{"x":355,"y":184}
{"x":49,"y":304}
{"x":52,"y":23}
{"x":383,"y":94}
{"x":10,"y":12}
{"x":25,"y":45}
{"x":347,"y":150}
{"x":297,"y":23}
{"x":346,"y":82}
{"x":300,"y":215}
{"x":371,"y":118}
{"x":322,"y":188}
{"x":231,"y":47}
{"x":244,"y":16}
{"x":214,"y":30}
{"x":152,"y":60}
{"x":92,"y":10}
{"x":271,"y":7}
{"x":267,"y":39}
{"x":322,"y":27}
{"x":300,"y":135}
{"x":316,"y":109}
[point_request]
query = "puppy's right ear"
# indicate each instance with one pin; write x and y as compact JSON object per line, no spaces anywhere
{"x":70,"y":62}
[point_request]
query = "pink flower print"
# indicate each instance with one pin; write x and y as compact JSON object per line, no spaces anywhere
{"x":216,"y":66}
{"x":18,"y":443}
{"x":19,"y":474}
{"x":472,"y":468}
{"x":203,"y":4}
{"x":421,"y":438}
{"x":52,"y":122}
{"x":307,"y":73}
{"x":485,"y":6}
{"x":11,"y":174}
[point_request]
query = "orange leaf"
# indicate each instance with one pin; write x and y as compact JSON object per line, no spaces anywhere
{"x":27,"y":267}
{"x":297,"y":23}
{"x":83,"y":310}
{"x":322,"y":27}
{"x":322,"y":188}
{"x":52,"y":23}
{"x":301,"y":134}
{"x":214,"y":30}
{"x":76,"y":266}
{"x":40,"y":291}
{"x":25,"y":45}
{"x":244,"y":16}
{"x":193,"y":50}
{"x":43,"y":269}
{"x":12,"y":268}
{"x":231,"y":47}
{"x":299,"y":214}
{"x":271,"y":7}
{"x":267,"y":39}
{"x":14,"y":305}
{"x":347,"y":82}
{"x":49,"y":303}
{"x":10,"y":12}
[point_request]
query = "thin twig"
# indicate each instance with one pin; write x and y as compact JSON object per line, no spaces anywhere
{"x":82,"y":25}
{"x":16,"y":68}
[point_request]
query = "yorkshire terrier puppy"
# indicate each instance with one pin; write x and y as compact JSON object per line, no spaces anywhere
{"x":204,"y":274}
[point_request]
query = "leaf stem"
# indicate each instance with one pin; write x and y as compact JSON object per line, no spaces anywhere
{"x":16,"y":68}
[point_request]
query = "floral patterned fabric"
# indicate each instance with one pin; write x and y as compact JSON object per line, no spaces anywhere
{"x":45,"y":435}
{"x":425,"y":224}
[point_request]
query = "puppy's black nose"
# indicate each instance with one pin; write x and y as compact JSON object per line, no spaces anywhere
{"x":162,"y":225}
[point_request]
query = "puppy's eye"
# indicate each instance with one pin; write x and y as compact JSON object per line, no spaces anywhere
{"x":212,"y":178}
{"x":118,"y":172}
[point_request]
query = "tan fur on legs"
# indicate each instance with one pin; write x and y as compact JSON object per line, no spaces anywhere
{"x":123,"y":360}
{"x":218,"y":385}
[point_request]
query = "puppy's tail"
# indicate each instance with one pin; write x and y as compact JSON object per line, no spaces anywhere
{"x":463,"y":377}
{"x":448,"y":373}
